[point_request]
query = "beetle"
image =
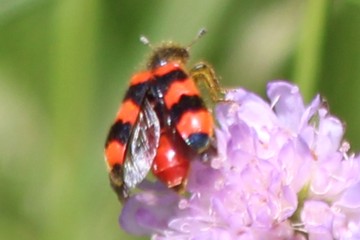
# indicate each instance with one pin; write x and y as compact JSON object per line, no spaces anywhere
{"x":162,"y":122}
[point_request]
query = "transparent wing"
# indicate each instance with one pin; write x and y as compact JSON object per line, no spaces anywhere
{"x":142,"y":148}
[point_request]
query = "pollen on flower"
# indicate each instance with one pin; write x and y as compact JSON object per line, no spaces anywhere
{"x":344,"y":148}
{"x":183,"y":203}
{"x":283,"y":171}
{"x":313,"y":154}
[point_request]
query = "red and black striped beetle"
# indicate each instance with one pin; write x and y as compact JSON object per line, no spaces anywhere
{"x":161,"y":122}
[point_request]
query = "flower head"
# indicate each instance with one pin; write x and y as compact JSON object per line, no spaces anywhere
{"x":282,"y":171}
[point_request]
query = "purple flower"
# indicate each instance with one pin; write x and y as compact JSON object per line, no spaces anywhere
{"x":283,"y":171}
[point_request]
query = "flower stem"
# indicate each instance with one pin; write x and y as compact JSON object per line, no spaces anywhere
{"x":308,"y":59}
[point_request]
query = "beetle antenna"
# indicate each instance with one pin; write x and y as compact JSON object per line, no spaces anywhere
{"x":144,"y":40}
{"x":200,"y":34}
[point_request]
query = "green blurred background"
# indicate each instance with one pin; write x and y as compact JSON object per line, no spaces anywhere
{"x":64,"y":66}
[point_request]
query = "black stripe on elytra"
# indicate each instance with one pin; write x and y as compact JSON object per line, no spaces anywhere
{"x":164,"y":81}
{"x":162,"y":113}
{"x":137,"y":92}
{"x":116,"y":177}
{"x":119,"y":132}
{"x":186,"y":103}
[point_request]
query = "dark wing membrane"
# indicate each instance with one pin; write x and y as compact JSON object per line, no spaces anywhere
{"x":142,"y":146}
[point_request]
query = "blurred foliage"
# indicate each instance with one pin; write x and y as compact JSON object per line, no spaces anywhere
{"x":64,"y":66}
